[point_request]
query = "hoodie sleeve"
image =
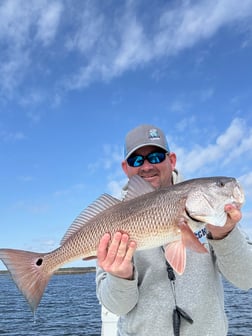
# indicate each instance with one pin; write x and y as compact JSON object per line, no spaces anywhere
{"x":234,"y":258}
{"x":118,"y":295}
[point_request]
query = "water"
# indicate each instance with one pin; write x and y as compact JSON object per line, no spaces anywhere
{"x":238,"y":305}
{"x":70,"y":307}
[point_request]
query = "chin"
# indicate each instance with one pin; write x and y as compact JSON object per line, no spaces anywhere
{"x":154,"y":181}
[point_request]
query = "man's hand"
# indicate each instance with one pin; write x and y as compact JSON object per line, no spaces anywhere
{"x":115,"y":256}
{"x":233,"y":217}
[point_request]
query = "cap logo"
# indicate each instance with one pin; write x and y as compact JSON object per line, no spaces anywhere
{"x":153,"y":134}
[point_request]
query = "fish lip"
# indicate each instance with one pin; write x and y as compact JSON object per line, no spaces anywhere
{"x":238,"y":205}
{"x":238,"y":195}
{"x":192,"y":218}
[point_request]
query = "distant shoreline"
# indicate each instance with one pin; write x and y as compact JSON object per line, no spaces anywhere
{"x":65,"y":270}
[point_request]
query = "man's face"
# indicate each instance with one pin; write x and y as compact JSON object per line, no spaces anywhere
{"x":158,"y":174}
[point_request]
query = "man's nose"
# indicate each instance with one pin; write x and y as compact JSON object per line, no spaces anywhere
{"x":146,"y":165}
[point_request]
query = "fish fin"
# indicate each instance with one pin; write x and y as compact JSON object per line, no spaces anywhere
{"x":27,"y":271}
{"x":90,"y":258}
{"x":189,"y":239}
{"x":175,"y":254}
{"x":103,"y":203}
{"x":137,"y":186}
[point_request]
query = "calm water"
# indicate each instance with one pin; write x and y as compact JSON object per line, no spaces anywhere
{"x":69,"y":307}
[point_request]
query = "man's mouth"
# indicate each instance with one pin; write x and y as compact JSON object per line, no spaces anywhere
{"x":149,"y":177}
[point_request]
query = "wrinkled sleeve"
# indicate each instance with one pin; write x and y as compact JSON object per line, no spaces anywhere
{"x":234,"y":258}
{"x":118,"y":295}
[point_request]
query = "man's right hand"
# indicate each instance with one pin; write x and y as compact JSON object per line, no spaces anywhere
{"x":115,"y":256}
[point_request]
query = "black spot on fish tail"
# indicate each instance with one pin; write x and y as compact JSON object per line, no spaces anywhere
{"x":28,"y":271}
{"x":39,"y":262}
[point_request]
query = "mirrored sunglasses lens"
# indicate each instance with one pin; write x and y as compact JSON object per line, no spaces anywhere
{"x":156,"y":157}
{"x":135,"y":161}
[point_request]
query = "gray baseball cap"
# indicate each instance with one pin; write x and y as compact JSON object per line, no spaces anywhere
{"x":144,"y":135}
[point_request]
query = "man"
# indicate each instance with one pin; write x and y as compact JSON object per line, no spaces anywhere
{"x":141,"y":287}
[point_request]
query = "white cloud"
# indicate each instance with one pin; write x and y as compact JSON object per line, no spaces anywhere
{"x":115,"y":187}
{"x":90,"y":25}
{"x":48,"y":22}
{"x":131,"y":43}
{"x":186,"y":123}
{"x":134,"y":47}
{"x":106,"y":40}
{"x":11,"y":136}
{"x":206,"y":94}
{"x":232,"y":135}
{"x":21,"y":23}
{"x":33,"y":96}
{"x":242,"y":146}
{"x":116,"y":46}
{"x":235,"y":142}
{"x":246,"y":182}
{"x":12,"y":72}
{"x":194,"y":21}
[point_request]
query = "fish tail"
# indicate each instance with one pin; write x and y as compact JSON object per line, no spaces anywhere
{"x":28,"y":272}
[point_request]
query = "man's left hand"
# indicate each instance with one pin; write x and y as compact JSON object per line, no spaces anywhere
{"x":234,"y":215}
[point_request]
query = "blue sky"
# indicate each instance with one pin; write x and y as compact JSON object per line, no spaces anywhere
{"x":75,"y":76}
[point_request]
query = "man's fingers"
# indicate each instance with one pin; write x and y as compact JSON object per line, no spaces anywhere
{"x":122,"y":248}
{"x":113,"y":248}
{"x":233,"y":212}
{"x":108,"y":250}
{"x":130,"y":252}
{"x":103,"y":248}
{"x":115,"y":255}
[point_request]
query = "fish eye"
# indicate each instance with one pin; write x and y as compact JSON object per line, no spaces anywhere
{"x":221,"y":183}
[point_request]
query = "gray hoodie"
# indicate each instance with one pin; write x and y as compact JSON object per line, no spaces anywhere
{"x":146,"y":303}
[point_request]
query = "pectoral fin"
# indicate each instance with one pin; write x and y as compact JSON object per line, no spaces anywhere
{"x":189,"y":239}
{"x":175,"y":252}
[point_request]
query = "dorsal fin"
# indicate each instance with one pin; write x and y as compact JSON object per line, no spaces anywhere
{"x":104,"y":202}
{"x":137,"y":186}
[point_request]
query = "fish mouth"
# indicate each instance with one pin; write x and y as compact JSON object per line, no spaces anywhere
{"x":237,"y":205}
{"x":239,"y":197}
{"x":192,"y":218}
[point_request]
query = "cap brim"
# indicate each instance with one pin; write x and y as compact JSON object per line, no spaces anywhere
{"x":140,"y":146}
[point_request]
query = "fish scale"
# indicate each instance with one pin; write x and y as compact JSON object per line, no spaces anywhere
{"x":167,"y":216}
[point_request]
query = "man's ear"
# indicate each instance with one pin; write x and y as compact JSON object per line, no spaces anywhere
{"x":125,"y":167}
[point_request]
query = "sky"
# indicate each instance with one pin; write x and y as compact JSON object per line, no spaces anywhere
{"x":76,"y":76}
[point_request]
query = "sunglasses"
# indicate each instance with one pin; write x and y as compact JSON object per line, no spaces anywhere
{"x":153,"y":158}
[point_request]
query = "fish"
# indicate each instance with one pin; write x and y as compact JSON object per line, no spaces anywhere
{"x":152,"y":217}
